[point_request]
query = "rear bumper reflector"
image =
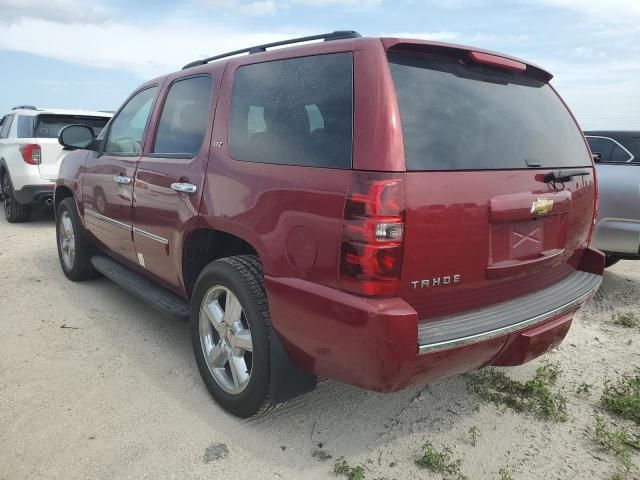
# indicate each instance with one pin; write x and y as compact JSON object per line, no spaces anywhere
{"x":506,"y":317}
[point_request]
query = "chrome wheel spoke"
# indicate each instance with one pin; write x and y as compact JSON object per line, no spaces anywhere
{"x":232,"y":309}
{"x":216,"y":357}
{"x":239,"y":372}
{"x":214,"y":314}
{"x":242,"y":340}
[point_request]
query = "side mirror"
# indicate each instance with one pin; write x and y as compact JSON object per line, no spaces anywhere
{"x":597,"y":157}
{"x":74,"y":137}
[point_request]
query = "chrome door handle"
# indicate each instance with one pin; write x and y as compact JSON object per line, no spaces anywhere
{"x":184,"y":187}
{"x":122,"y":180}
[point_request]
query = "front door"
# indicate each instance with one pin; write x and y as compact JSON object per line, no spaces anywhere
{"x":170,"y":177}
{"x":107,"y":185}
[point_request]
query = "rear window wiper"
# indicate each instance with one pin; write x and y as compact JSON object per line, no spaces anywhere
{"x":564,"y":175}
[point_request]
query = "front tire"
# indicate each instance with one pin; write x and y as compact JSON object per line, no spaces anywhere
{"x":74,"y":250}
{"x":230,"y":332}
{"x":14,"y":212}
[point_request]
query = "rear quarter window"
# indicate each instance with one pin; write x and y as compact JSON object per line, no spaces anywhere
{"x":49,"y":126}
{"x":469,"y":117}
{"x":296,"y":112}
{"x":184,"y":117}
{"x":25,"y":126}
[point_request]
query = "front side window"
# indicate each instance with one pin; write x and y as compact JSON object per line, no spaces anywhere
{"x":127,"y":129}
{"x":184,"y":117}
{"x":297,"y":111}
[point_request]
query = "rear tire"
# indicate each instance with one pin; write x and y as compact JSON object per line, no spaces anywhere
{"x":230,"y":332}
{"x":610,"y":261}
{"x":74,"y":250}
{"x":14,"y":212}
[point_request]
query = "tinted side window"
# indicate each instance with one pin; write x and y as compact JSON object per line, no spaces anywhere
{"x":125,"y":134}
{"x":601,"y":146}
{"x":25,"y":126}
{"x":184,"y":117}
{"x":620,"y":155}
{"x":49,"y":126}
{"x":6,"y":126}
{"x":297,"y":111}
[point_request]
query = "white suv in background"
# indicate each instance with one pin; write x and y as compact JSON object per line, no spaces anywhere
{"x":30,"y":154}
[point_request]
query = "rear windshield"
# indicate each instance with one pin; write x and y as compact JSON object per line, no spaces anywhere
{"x":471,"y":117}
{"x":49,"y":126}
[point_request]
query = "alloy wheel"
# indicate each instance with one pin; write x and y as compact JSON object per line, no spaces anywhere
{"x":67,"y":240}
{"x":6,"y":193}
{"x":225,"y":338}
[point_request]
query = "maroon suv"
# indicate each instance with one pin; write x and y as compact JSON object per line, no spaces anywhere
{"x":382,"y":212}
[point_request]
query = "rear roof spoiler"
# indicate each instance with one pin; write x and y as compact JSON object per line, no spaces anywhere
{"x":477,"y":55}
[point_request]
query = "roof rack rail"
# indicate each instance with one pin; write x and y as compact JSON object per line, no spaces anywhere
{"x":337,"y":35}
{"x":24,"y":107}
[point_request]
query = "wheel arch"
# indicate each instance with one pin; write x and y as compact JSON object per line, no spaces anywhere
{"x":205,"y":245}
{"x":59,"y":194}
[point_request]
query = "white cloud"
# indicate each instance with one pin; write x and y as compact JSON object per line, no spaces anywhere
{"x":255,"y":8}
{"x":258,"y":8}
{"x":269,"y":7}
{"x":161,"y":47}
{"x":62,"y":11}
{"x":610,"y":9}
{"x":342,"y":3}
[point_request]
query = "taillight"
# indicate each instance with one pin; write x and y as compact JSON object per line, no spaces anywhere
{"x":372,"y":234}
{"x":31,"y":153}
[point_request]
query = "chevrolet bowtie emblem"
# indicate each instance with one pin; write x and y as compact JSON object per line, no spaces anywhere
{"x":542,"y":207}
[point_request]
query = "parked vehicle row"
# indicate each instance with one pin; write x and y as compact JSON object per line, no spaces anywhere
{"x":30,"y":154}
{"x":378,"y":211}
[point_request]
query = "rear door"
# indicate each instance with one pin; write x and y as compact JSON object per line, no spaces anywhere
{"x":482,"y":223}
{"x":170,"y":176}
{"x":46,"y":127}
{"x":107,"y":181}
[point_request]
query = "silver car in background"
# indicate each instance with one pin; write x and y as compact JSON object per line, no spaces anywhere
{"x":617,"y":156}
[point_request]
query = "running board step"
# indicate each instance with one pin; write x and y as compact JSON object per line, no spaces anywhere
{"x":144,"y":289}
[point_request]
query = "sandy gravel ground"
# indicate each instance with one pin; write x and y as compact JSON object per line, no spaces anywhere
{"x":94,"y":384}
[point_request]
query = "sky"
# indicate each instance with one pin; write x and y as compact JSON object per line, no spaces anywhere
{"x":92,"y":54}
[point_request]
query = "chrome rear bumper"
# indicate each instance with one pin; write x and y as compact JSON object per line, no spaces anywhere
{"x":506,"y":317}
